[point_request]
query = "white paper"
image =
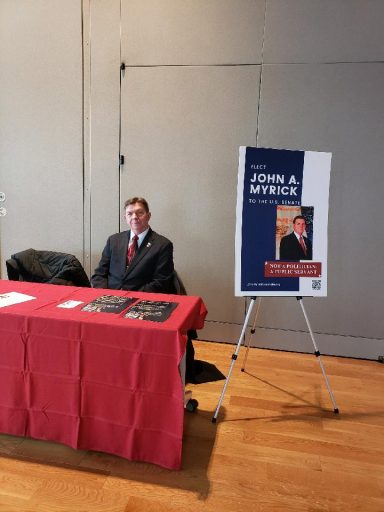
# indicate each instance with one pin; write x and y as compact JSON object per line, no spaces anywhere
{"x":10,"y":298}
{"x":70,"y":304}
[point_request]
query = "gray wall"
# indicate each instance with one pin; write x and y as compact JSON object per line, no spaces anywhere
{"x":202,"y":78}
{"x":41,"y":123}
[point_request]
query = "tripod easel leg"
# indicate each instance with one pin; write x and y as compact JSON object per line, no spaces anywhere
{"x":317,"y":354}
{"x":234,"y":357}
{"x":253,"y":329}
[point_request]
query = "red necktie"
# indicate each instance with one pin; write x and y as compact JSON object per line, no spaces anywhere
{"x":303,"y":245}
{"x":132,"y":249}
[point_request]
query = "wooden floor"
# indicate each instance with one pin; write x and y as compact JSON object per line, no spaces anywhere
{"x":277,"y":446}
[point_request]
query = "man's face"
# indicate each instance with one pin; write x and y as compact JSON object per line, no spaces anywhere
{"x":299,"y":226}
{"x":137,"y":218}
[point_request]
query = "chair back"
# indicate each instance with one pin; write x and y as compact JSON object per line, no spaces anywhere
{"x":178,"y":284}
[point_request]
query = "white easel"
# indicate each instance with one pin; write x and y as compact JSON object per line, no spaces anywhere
{"x":234,"y":356}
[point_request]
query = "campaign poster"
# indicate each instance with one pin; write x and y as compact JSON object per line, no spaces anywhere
{"x":282,"y":223}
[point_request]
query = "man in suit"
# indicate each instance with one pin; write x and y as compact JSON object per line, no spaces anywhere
{"x":295,"y":246}
{"x":137,"y":259}
{"x":147,"y":266}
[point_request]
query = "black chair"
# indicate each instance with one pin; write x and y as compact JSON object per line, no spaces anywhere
{"x":46,"y":267}
{"x":178,"y":284}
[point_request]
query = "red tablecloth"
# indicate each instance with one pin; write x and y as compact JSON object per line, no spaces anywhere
{"x":94,"y":380}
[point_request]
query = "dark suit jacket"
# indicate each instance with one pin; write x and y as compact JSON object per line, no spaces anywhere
{"x":290,"y":248}
{"x":150,"y":271}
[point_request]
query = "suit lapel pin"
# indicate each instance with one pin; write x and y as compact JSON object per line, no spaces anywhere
{"x":149,"y":244}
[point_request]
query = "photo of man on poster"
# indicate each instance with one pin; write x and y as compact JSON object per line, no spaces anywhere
{"x":296,"y":246}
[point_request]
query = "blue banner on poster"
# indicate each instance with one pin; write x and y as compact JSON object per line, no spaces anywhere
{"x":281,"y":222}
